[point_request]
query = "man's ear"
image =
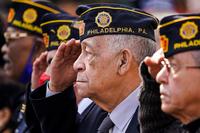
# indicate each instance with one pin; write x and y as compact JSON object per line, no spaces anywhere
{"x":124,"y":61}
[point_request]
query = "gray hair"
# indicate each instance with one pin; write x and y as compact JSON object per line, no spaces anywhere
{"x":139,"y":46}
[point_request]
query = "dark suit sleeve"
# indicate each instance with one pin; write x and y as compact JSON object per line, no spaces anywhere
{"x":30,"y":116}
{"x":57,"y":114}
{"x":151,"y":117}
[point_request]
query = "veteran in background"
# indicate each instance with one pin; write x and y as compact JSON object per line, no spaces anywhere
{"x":179,"y":76}
{"x":24,"y":37}
{"x":56,"y":29}
{"x":24,"y":42}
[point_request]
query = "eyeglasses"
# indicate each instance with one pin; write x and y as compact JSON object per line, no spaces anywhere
{"x":14,"y":35}
{"x":174,"y":68}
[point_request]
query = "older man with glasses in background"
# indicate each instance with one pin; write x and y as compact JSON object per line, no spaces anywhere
{"x":180,"y":74}
{"x":24,"y":43}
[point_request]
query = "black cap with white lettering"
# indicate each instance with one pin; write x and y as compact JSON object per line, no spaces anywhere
{"x":179,"y":33}
{"x":105,"y":19}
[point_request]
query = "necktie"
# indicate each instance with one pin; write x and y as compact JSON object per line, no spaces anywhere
{"x":105,"y":125}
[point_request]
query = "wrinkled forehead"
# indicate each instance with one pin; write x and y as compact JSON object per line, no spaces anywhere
{"x":95,"y":42}
{"x":183,"y":57}
{"x":91,"y":40}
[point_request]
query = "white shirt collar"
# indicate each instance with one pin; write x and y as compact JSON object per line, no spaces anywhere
{"x":84,"y":103}
{"x":122,"y":114}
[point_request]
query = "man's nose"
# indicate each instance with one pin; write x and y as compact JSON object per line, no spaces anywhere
{"x":4,"y":49}
{"x":162,"y":76}
{"x":78,"y":64}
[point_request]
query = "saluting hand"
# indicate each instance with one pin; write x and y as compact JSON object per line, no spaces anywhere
{"x":154,"y":62}
{"x":62,"y":74}
{"x":39,"y":67}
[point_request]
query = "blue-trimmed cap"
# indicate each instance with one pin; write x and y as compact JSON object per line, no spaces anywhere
{"x":179,"y":33}
{"x":26,"y":14}
{"x":57,"y":28}
{"x":105,"y":19}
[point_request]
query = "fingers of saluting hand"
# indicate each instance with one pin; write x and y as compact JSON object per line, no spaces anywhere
{"x":72,"y":48}
{"x":154,"y":62}
{"x":155,"y":59}
{"x":64,"y":50}
{"x":76,"y":49}
{"x":68,"y":50}
{"x":60,"y":52}
{"x":40,"y":62}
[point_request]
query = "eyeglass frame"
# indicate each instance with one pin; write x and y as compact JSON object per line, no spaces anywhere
{"x":170,"y":69}
{"x":14,"y":35}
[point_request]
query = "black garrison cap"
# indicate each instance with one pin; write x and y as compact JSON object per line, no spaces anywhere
{"x":57,"y":28}
{"x":26,"y":14}
{"x":105,"y":19}
{"x":179,"y":33}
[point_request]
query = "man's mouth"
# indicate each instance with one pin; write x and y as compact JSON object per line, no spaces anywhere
{"x":80,"y":81}
{"x":6,"y":59}
{"x":7,"y":64}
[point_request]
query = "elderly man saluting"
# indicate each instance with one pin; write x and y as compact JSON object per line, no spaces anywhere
{"x":114,"y":40}
{"x":180,"y":74}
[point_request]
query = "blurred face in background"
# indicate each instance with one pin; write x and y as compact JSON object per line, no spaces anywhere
{"x":16,"y":51}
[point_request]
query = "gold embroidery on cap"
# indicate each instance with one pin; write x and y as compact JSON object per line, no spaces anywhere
{"x":27,"y":26}
{"x":63,"y":32}
{"x":54,"y":44}
{"x":46,"y":39}
{"x":103,"y":19}
{"x":30,"y":15}
{"x":188,"y":30}
{"x":164,"y":43}
{"x":11,"y":15}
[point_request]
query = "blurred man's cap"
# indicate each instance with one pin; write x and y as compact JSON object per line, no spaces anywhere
{"x":179,"y":33}
{"x":57,"y":28}
{"x":26,"y":14}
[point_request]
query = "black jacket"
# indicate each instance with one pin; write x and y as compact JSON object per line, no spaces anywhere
{"x":58,"y":113}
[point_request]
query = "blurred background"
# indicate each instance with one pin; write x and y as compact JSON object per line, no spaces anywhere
{"x":157,"y":7}
{"x":153,"y":6}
